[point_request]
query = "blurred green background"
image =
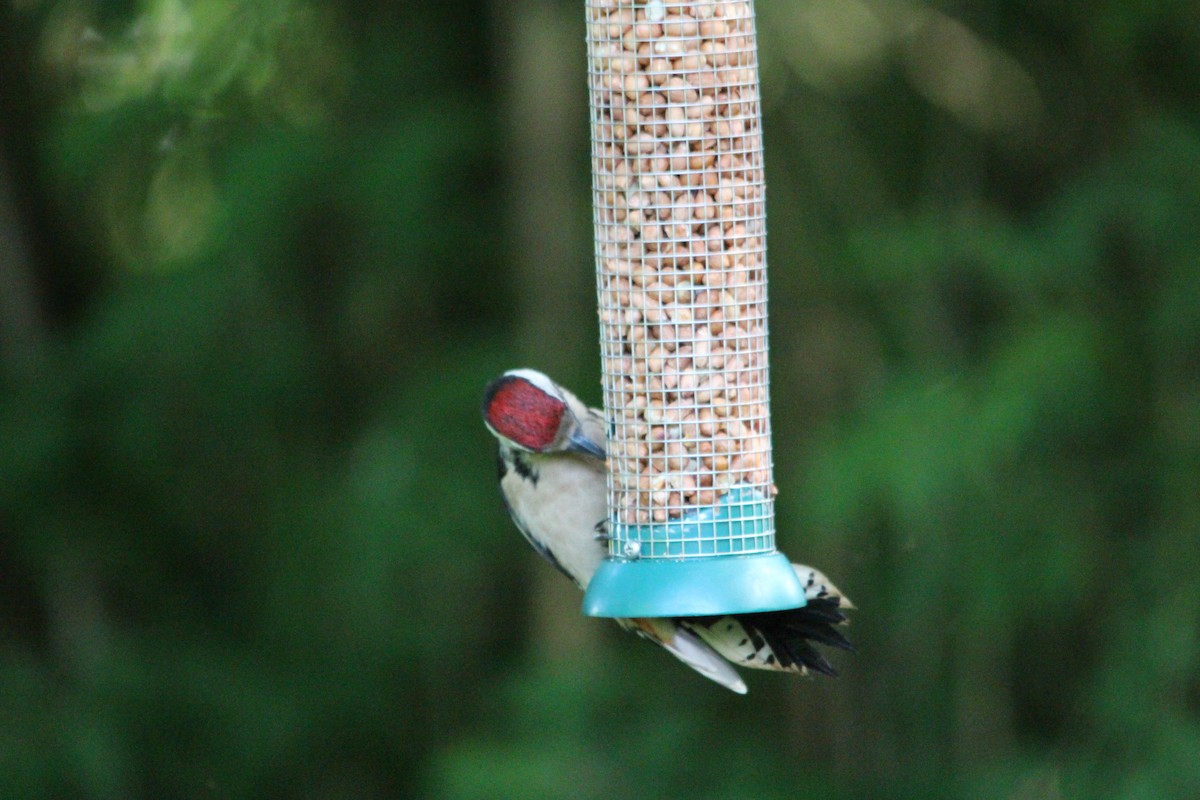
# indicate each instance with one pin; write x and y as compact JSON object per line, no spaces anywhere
{"x":258,"y":260}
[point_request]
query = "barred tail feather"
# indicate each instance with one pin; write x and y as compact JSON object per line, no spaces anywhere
{"x":816,"y":585}
{"x":778,"y":640}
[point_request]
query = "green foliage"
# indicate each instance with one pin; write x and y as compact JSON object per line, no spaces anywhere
{"x":262,"y":258}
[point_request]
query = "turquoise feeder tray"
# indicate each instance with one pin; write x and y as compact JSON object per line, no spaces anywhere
{"x":716,"y":560}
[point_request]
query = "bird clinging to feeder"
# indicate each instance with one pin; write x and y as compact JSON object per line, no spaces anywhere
{"x":553,"y":481}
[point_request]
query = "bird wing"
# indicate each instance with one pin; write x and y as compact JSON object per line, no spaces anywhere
{"x":689,"y":649}
{"x":817,"y":586}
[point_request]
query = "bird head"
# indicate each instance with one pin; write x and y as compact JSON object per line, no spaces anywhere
{"x":526,"y":410}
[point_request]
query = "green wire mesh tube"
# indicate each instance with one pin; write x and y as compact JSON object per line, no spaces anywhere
{"x":680,"y":225}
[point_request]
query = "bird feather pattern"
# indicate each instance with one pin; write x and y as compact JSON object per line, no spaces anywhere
{"x":553,"y":481}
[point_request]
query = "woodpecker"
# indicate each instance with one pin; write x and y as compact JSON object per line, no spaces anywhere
{"x":553,"y":483}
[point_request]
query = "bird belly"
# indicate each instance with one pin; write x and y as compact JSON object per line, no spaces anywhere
{"x":562,"y":510}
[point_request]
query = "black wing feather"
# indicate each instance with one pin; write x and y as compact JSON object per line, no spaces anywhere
{"x":791,"y":632}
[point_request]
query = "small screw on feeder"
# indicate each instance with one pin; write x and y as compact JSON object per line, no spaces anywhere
{"x":678,"y":193}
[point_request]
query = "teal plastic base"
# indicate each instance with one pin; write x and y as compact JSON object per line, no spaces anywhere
{"x":693,"y":587}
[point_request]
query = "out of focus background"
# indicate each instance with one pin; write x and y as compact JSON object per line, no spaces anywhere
{"x":258,"y":260}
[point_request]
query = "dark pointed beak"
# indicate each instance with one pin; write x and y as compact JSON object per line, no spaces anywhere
{"x":578,"y":443}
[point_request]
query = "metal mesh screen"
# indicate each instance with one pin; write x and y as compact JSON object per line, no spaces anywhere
{"x":681,"y":273}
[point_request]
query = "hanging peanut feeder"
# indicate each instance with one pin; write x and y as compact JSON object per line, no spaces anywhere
{"x":678,"y":193}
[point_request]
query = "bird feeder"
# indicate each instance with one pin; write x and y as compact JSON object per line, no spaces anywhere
{"x":678,"y":192}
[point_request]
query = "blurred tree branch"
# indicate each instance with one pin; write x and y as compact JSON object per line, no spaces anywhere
{"x":545,"y":109}
{"x":21,"y":322}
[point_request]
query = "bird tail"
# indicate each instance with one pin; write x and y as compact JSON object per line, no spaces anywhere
{"x":782,"y":640}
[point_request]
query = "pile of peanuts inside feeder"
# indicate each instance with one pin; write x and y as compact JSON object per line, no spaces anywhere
{"x":680,"y":247}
